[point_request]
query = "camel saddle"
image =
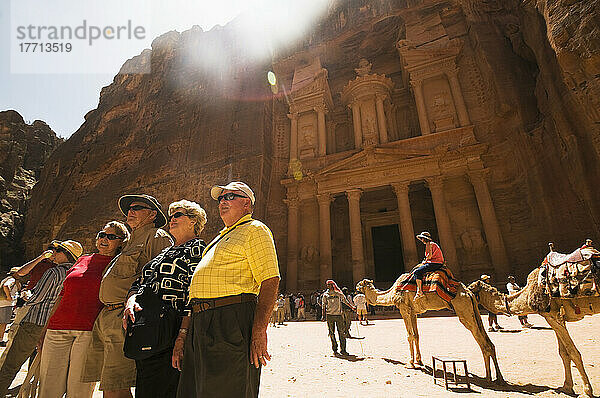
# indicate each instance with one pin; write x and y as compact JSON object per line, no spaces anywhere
{"x":440,"y":282}
{"x":571,"y":275}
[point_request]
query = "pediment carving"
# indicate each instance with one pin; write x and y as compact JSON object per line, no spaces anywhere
{"x":371,"y":156}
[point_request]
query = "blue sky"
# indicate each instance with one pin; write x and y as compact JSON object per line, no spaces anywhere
{"x":61,"y":100}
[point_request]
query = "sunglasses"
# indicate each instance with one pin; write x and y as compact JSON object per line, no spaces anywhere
{"x":57,"y":249}
{"x":230,"y":196}
{"x":177,"y":215}
{"x":103,"y":234}
{"x":138,"y":208}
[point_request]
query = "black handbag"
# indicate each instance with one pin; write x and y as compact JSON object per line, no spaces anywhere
{"x":155,"y":328}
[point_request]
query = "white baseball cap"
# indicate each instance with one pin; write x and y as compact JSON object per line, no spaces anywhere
{"x":217,"y":190}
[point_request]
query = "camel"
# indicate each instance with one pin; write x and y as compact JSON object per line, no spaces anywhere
{"x":464,"y":304}
{"x":532,"y":299}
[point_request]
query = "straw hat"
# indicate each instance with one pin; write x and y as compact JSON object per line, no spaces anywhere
{"x":73,"y":247}
{"x":425,"y":235}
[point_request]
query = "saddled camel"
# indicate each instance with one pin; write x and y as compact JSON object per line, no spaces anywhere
{"x":532,"y":299}
{"x":464,"y":304}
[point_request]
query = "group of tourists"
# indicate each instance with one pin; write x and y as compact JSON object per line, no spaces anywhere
{"x":161,"y":311}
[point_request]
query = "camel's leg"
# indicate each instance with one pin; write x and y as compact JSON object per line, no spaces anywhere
{"x":407,"y":315}
{"x":468,"y":314}
{"x":415,"y":334}
{"x":568,"y":353}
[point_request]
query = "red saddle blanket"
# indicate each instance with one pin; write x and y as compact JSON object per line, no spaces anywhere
{"x":440,"y":282}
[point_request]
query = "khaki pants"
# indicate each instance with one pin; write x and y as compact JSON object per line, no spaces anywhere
{"x":22,"y":345}
{"x":105,"y":360}
{"x":61,"y":366}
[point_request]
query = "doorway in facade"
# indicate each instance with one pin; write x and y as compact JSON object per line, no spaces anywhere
{"x":387,"y":253}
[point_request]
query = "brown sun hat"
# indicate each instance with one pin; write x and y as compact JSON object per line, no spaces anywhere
{"x":126,"y":200}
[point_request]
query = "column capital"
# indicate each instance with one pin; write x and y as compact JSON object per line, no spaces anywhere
{"x":354,"y":194}
{"x":381,"y":97}
{"x":400,"y":187}
{"x":416,"y":83}
{"x":320,"y":109}
{"x":292,"y":202}
{"x":293,"y":116}
{"x":324,"y":198}
{"x":452,"y":73}
{"x":435,"y":182}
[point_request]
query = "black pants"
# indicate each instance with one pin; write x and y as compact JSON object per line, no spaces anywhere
{"x":156,"y":377}
{"x":216,"y":356}
{"x":420,"y":271}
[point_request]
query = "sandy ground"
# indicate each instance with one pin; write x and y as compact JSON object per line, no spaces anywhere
{"x":304,"y":366}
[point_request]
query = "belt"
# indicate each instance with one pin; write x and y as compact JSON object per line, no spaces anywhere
{"x":200,"y":305}
{"x":111,"y":307}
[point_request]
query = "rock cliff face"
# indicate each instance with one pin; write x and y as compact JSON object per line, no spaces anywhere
{"x":171,"y":134}
{"x":23,"y":150}
{"x":529,"y":72}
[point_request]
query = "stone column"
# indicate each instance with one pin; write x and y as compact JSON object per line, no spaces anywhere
{"x":383,"y":135}
{"x":490,"y":224}
{"x":409,"y":243}
{"x":293,"y":135}
{"x":436,"y":186}
{"x":321,"y":129}
{"x":356,"y":122}
{"x":421,"y":108}
{"x":461,"y":108}
{"x":291,"y":284}
{"x":325,"y":268}
{"x":356,"y":240}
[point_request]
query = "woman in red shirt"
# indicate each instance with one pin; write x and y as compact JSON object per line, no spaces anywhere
{"x":69,"y":330}
{"x":434,"y":260}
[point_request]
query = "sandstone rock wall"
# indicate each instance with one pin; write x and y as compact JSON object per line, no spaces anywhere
{"x":172,"y":134}
{"x":23,"y":150}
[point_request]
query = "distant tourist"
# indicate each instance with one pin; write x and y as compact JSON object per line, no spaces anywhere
{"x":300,"y":306}
{"x":11,"y":285}
{"x":512,"y":288}
{"x":360,"y":301}
{"x":332,"y":301}
{"x":492,"y":318}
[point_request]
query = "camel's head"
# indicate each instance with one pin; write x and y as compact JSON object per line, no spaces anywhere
{"x":360,"y":286}
{"x":475,"y":287}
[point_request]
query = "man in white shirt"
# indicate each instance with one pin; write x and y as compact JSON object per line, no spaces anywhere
{"x":360,"y":301}
{"x":512,"y":288}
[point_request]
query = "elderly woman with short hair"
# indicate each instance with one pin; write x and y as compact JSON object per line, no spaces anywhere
{"x":69,"y":329}
{"x":158,"y":375}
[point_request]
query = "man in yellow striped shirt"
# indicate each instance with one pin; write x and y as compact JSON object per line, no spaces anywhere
{"x":232,"y":294}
